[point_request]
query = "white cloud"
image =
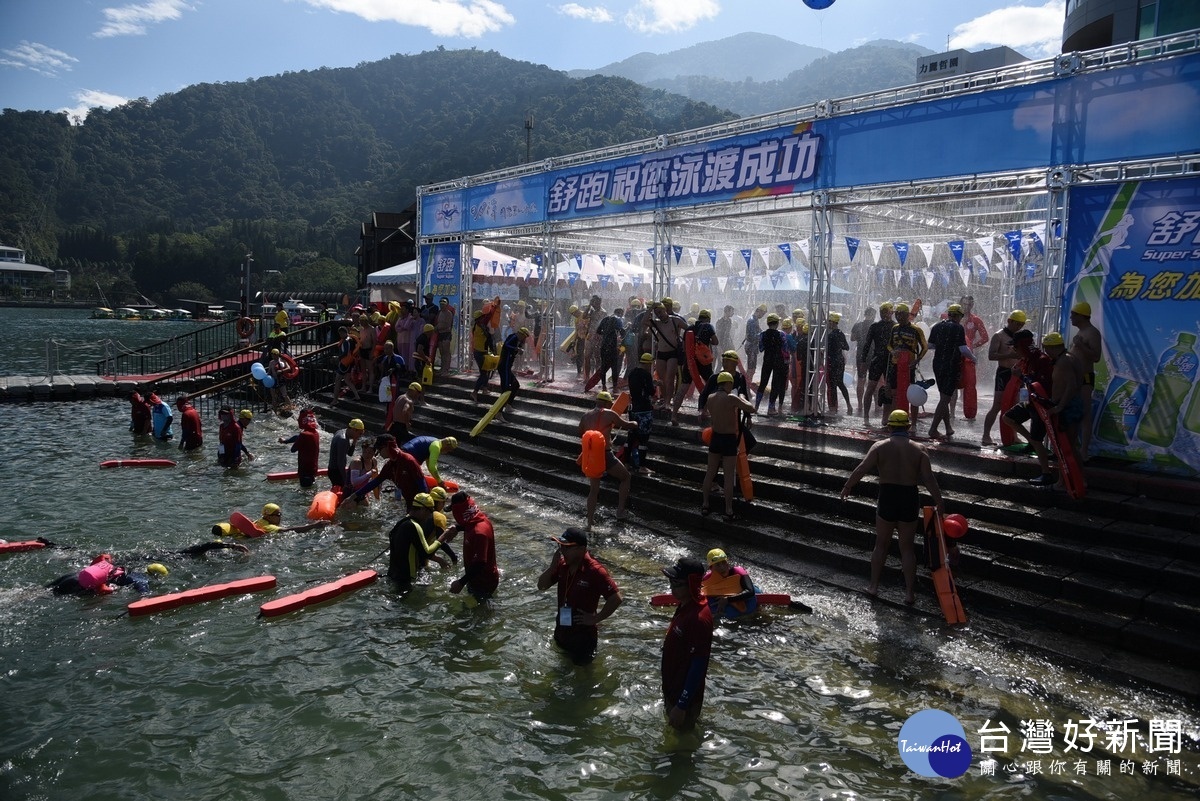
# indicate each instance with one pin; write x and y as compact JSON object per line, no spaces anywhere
{"x":88,"y":99}
{"x":134,"y":20}
{"x":669,"y":16}
{"x":1035,"y":31}
{"x":592,"y":14}
{"x":37,"y":58}
{"x":467,"y":18}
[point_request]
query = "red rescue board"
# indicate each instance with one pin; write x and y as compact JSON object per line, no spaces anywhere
{"x":110,"y":463}
{"x":291,"y":475}
{"x":24,"y":545}
{"x":162,"y":603}
{"x":325,"y":592}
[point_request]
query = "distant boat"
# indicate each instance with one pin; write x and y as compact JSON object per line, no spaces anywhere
{"x":126,"y":313}
{"x":102,"y":313}
{"x":178,"y":314}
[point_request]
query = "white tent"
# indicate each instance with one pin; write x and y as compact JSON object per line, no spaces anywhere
{"x":397,"y":274}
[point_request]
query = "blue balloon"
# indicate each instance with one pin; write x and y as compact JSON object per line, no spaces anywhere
{"x":258,"y":371}
{"x":818,"y":4}
{"x":269,"y":381}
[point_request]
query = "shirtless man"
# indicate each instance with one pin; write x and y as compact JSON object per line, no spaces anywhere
{"x":1001,"y":351}
{"x":723,"y":408}
{"x":367,"y":334}
{"x":595,"y":314}
{"x":402,"y":412}
{"x":1086,"y":347}
{"x":604,"y":419}
{"x":902,"y":465}
{"x":667,"y":329}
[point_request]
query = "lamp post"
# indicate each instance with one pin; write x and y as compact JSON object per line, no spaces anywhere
{"x":246,"y":285}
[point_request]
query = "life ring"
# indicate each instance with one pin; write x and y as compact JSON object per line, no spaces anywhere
{"x":293,"y":369}
{"x":245,"y":328}
{"x":593,"y":460}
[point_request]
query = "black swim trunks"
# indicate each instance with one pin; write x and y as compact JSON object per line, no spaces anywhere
{"x":724,"y":444}
{"x":1003,"y":374}
{"x":898,"y":503}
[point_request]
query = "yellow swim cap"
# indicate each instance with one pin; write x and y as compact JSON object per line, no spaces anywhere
{"x":573,"y":309}
{"x":954,"y":308}
{"x":155,"y":569}
{"x":834,"y":317}
{"x":1018,"y":316}
{"x":901,"y":308}
{"x":724,"y":378}
{"x":898,"y":419}
{"x":1052,"y":339}
{"x":449,"y":443}
{"x":772,"y":318}
{"x":716,"y":555}
{"x":356,"y":424}
{"x":428,"y":329}
{"x":787,"y":323}
{"x":416,"y":386}
{"x":646,"y":358}
{"x":439,"y":520}
{"x":1083,"y":308}
{"x":271,"y":509}
{"x":604,"y":396}
{"x":523,"y":331}
{"x":730,"y":354}
{"x":423,"y":499}
{"x":705,"y":314}
{"x":438,"y":494}
{"x":885,"y":306}
{"x":246,"y":414}
{"x":762,"y":307}
{"x":222,"y":530}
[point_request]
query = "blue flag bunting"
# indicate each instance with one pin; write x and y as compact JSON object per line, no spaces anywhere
{"x":852,"y":246}
{"x":747,"y":254}
{"x":712,"y":256}
{"x":956,"y":250}
{"x":901,"y":251}
{"x":786,"y":247}
{"x":678,"y":252}
{"x":1014,"y":244}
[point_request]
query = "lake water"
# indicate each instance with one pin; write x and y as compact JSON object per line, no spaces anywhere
{"x":378,"y":695}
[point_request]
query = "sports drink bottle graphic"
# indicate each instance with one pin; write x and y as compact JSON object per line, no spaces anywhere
{"x":1176,"y":374}
{"x":1121,"y":410}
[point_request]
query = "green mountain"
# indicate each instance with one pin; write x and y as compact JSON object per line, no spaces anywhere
{"x":175,"y":191}
{"x":877,"y":65}
{"x":757,"y":56}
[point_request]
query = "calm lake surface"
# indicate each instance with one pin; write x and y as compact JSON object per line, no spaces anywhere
{"x":420,"y":697}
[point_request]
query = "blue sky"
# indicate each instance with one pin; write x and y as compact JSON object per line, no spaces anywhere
{"x":71,"y":55}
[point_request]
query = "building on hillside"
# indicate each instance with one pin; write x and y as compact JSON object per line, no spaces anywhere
{"x":388,"y":238}
{"x":960,"y":62}
{"x":19,"y":278}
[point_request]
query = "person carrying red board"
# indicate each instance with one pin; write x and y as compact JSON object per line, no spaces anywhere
{"x":905,"y":344}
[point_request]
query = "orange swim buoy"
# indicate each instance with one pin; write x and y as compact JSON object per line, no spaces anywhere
{"x":293,"y":369}
{"x":593,"y":459}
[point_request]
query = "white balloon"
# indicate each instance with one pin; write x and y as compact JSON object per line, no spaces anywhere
{"x":917,"y":395}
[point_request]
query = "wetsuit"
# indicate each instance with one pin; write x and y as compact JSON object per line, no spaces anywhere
{"x":774,"y":365}
{"x":876,"y":350}
{"x":507,"y":366}
{"x":907,"y":337}
{"x":835,"y":367}
{"x":425,"y":450}
{"x":410,"y":550}
{"x":641,"y":410}
{"x":946,"y":338}
{"x":610,"y":332}
{"x":340,"y":449}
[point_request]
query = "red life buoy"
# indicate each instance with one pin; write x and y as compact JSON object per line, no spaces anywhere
{"x":245,"y":328}
{"x":293,"y":369}
{"x":594,"y":456}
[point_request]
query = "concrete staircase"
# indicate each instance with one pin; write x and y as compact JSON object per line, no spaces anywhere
{"x":1113,"y":580}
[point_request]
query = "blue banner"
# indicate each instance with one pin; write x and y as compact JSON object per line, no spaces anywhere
{"x":1122,"y":113}
{"x":441,"y":271}
{"x":1133,"y":255}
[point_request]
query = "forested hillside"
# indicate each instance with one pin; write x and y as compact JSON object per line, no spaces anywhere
{"x":169,"y":195}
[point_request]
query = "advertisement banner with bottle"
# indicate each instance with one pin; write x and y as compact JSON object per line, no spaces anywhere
{"x":1133,"y":255}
